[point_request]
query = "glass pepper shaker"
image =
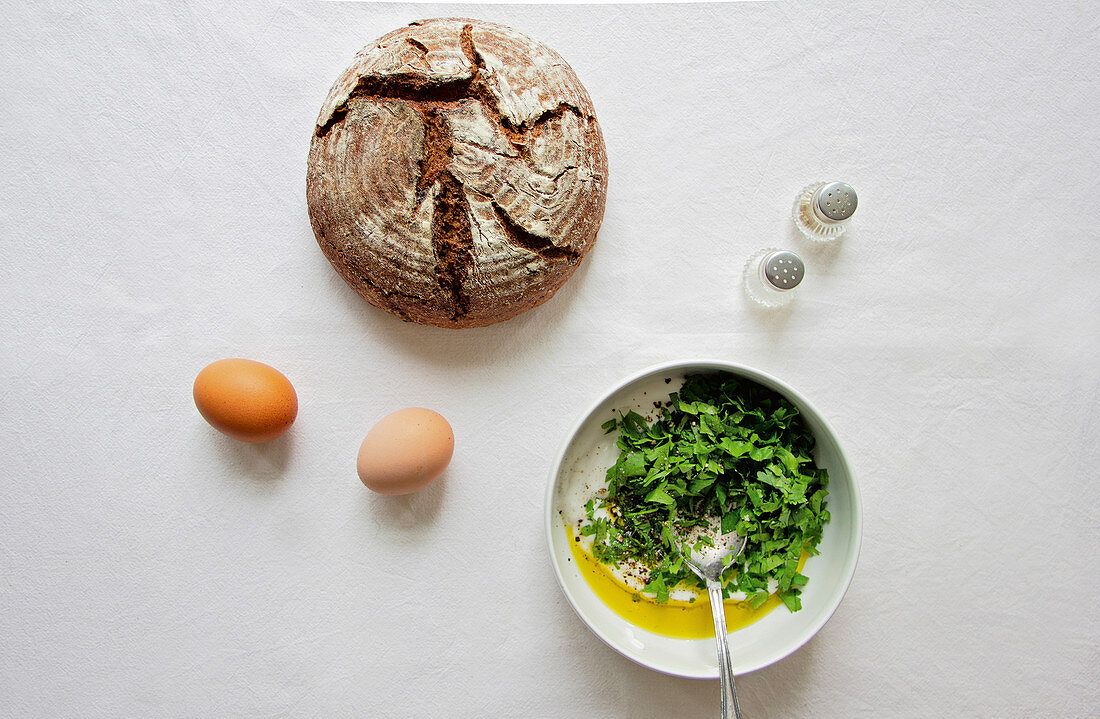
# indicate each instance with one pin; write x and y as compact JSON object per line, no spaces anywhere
{"x":772,"y":276}
{"x":823,"y":210}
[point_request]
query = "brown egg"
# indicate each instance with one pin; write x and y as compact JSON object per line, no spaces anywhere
{"x":406,"y":451}
{"x":246,"y":400}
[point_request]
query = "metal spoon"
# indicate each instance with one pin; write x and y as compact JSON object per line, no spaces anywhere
{"x":709,"y":562}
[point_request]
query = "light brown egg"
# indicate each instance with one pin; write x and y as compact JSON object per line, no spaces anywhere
{"x":406,"y":451}
{"x":246,"y":400}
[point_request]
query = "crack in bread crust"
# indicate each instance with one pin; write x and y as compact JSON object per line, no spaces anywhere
{"x":436,"y":153}
{"x":411,"y":88}
{"x":453,"y":243}
{"x":541,"y":246}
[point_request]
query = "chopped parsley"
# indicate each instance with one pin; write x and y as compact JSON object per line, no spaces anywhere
{"x":720,"y":447}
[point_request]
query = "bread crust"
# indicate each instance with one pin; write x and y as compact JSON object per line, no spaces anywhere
{"x":457,"y":173}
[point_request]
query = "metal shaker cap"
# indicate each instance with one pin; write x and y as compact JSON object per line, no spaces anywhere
{"x":783,"y":270}
{"x":836,"y":202}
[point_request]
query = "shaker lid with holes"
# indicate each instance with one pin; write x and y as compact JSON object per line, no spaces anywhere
{"x":783,"y":269}
{"x":837,"y":201}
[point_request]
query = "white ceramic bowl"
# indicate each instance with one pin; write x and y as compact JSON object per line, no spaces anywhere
{"x":589,"y":451}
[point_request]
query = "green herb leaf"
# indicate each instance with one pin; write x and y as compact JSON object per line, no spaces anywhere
{"x":633,"y":465}
{"x":657,"y":586}
{"x":762,"y":453}
{"x":660,"y":495}
{"x":734,"y":448}
{"x":757,"y":599}
{"x":792,"y":600}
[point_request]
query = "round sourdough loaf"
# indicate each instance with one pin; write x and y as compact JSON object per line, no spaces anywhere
{"x":457,"y":174}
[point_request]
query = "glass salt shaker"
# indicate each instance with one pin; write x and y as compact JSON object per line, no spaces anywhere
{"x":772,"y":276}
{"x":823,"y":210}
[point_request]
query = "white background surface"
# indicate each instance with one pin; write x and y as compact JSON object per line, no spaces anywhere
{"x":152,"y":209}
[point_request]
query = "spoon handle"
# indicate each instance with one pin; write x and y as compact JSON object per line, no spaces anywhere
{"x":725,"y":668}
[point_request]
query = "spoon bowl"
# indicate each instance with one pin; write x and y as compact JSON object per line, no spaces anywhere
{"x":708,"y":552}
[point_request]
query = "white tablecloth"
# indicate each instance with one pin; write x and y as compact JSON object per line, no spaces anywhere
{"x":152,"y":206}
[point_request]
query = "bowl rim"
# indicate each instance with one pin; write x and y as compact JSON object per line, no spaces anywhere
{"x":755,"y":375}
